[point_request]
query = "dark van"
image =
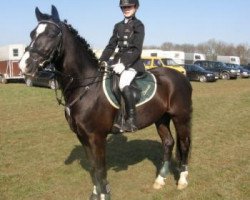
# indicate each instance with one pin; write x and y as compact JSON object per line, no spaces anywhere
{"x":221,"y":68}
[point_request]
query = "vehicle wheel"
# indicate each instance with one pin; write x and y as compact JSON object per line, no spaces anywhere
{"x":53,"y":84}
{"x":225,"y":76}
{"x":3,"y":80}
{"x":203,"y":79}
{"x":28,"y":82}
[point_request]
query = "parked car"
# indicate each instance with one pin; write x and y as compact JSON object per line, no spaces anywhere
{"x":242,"y":72}
{"x":197,"y":73}
{"x":221,"y":68}
{"x":152,"y":62}
{"x":246,"y":66}
{"x":43,"y":78}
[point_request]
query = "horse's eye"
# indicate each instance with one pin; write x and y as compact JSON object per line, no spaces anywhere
{"x":52,"y":35}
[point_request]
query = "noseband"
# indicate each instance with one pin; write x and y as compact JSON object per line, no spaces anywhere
{"x":47,"y":58}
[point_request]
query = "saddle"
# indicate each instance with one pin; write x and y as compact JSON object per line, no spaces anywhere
{"x":136,"y":91}
{"x":143,"y":87}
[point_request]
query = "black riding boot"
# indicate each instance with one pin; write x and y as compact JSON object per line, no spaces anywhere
{"x":130,"y":124}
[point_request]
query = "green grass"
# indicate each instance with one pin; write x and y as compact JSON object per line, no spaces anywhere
{"x":40,"y":158}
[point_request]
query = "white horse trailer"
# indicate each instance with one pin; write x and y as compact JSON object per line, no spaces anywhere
{"x":151,"y":53}
{"x":177,"y":56}
{"x":190,"y":58}
{"x":10,"y":56}
{"x":229,"y":59}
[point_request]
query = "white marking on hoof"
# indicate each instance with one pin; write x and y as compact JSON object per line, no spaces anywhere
{"x":94,"y":190}
{"x":159,"y":182}
{"x":182,"y":182}
{"x":102,"y":197}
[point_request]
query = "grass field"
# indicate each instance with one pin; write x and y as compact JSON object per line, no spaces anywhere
{"x":40,"y":158}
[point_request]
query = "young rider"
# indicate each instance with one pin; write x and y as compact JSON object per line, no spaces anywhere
{"x":128,"y":36}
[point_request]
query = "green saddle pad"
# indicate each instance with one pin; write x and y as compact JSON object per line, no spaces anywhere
{"x":147,"y":84}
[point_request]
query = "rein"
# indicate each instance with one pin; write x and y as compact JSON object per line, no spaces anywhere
{"x":71,"y":80}
{"x":53,"y":55}
{"x":49,"y":57}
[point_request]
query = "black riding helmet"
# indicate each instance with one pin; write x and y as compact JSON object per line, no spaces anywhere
{"x":129,"y":3}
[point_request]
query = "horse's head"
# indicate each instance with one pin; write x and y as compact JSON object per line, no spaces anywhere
{"x":45,"y":43}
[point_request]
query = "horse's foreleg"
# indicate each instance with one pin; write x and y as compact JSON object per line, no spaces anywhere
{"x":183,"y":148}
{"x":95,"y":151}
{"x":168,"y":144}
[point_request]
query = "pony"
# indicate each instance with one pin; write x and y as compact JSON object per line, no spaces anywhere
{"x":87,"y":110}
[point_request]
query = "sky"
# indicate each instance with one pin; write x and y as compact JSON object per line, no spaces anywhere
{"x":175,"y":21}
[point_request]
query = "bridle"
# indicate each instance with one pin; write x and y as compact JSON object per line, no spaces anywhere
{"x":53,"y":53}
{"x":49,"y":58}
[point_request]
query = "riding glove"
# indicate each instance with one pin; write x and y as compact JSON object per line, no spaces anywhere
{"x":118,"y":68}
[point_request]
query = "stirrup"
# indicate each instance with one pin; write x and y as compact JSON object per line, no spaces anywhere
{"x":130,"y":129}
{"x":116,"y":129}
{"x":129,"y":126}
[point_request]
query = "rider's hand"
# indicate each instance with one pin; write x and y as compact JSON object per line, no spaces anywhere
{"x":118,"y":68}
{"x":102,"y":65}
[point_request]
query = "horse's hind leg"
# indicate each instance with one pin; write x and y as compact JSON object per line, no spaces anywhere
{"x":168,"y":143}
{"x":183,"y":131}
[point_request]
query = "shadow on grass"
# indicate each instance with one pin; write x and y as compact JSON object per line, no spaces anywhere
{"x":122,"y":153}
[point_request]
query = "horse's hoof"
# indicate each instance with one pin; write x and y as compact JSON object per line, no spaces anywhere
{"x":105,"y":197}
{"x":157,"y":186}
{"x":159,"y":182}
{"x":182,"y":186}
{"x":94,"y":197}
{"x":182,"y":183}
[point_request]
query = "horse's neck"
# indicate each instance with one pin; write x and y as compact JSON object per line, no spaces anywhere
{"x":75,"y":63}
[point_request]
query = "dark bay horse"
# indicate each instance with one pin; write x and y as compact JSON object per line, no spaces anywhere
{"x":89,"y":113}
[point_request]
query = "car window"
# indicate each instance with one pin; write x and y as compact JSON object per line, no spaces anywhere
{"x":187,"y":67}
{"x":191,"y":68}
{"x":217,"y":65}
{"x":157,"y":63}
{"x":223,"y":64}
{"x":204,"y":64}
{"x":198,"y":68}
{"x":197,"y":57}
{"x":210,"y":65}
{"x":167,"y":61}
{"x":146,"y":62}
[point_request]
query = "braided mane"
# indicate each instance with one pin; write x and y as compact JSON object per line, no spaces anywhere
{"x":85,"y":44}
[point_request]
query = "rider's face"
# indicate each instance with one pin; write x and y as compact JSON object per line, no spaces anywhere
{"x":128,"y":11}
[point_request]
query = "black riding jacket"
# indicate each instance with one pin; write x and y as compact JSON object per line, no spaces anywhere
{"x":128,"y":37}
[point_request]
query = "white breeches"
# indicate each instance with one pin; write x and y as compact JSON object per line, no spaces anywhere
{"x":127,"y":77}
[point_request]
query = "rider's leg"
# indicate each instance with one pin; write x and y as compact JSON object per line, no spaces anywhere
{"x":126,"y":78}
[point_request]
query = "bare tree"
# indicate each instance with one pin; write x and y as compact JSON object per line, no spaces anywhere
{"x":211,"y":49}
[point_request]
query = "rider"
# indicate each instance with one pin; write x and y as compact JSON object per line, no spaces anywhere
{"x":128,"y":36}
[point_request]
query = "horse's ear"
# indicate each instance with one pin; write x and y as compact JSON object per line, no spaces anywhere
{"x":54,"y":13}
{"x":39,"y":15}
